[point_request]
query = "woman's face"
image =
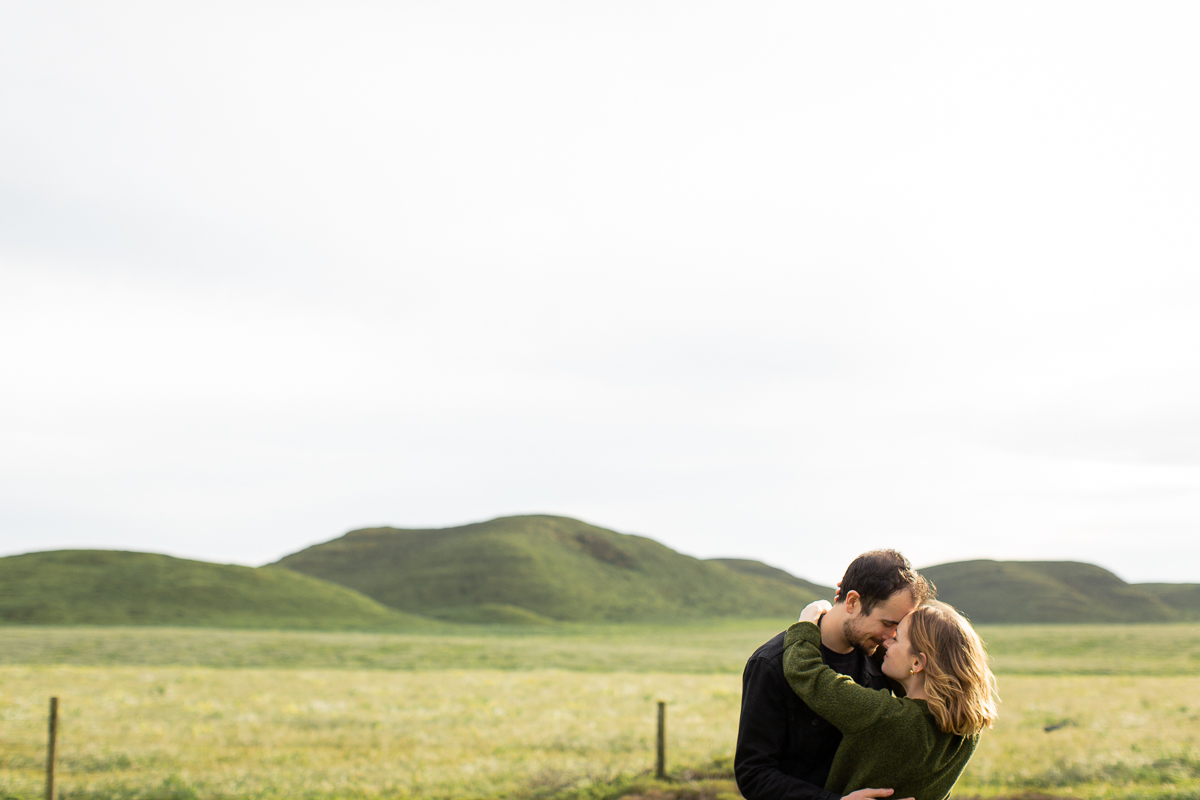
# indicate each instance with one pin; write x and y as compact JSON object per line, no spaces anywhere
{"x":899,"y":658}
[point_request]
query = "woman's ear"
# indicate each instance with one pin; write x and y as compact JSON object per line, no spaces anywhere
{"x":920,"y":665}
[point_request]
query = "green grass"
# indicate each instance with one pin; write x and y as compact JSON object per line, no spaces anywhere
{"x":270,"y":733}
{"x":719,"y":646}
{"x":106,"y":587}
{"x":552,"y":568}
{"x":1111,"y":736}
{"x":180,"y":733}
{"x":564,"y":712}
{"x":1171,"y":649}
{"x":713,"y":646}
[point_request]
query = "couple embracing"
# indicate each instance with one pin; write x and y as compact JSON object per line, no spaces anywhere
{"x":881,"y":695}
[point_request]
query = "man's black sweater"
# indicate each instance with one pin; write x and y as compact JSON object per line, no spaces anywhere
{"x":784,"y":750}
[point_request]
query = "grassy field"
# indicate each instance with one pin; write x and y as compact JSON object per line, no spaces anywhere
{"x":720,"y":646}
{"x":180,"y":713}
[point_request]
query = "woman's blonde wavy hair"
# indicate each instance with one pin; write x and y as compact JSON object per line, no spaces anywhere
{"x":959,"y":685}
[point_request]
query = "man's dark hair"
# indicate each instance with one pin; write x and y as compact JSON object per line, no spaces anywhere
{"x":879,"y":574}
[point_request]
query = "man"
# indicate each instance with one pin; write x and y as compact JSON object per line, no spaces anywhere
{"x":784,"y":750}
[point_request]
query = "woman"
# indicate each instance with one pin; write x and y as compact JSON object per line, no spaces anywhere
{"x":918,"y":744}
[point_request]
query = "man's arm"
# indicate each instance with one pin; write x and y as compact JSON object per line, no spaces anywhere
{"x":762,"y":733}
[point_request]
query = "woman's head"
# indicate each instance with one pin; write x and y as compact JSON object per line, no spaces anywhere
{"x":938,"y":642}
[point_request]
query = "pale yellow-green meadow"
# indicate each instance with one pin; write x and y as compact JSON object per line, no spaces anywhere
{"x":178,"y":732}
{"x":290,"y":733}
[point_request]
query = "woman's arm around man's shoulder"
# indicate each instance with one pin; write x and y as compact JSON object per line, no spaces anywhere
{"x":834,"y":696}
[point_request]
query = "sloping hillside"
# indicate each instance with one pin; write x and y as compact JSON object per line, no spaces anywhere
{"x":107,"y":587}
{"x":528,"y":567}
{"x":1184,"y":598}
{"x":1044,"y":591}
{"x":748,"y":567}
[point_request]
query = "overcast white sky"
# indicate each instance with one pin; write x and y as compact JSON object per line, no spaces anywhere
{"x":780,"y":280}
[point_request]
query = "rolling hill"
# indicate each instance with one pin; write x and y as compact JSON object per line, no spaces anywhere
{"x":1047,"y":591}
{"x":1183,"y":597}
{"x":108,"y":587}
{"x":519,"y":570}
{"x":747,"y":567}
{"x":530,"y":568}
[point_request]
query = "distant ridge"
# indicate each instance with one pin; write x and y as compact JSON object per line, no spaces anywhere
{"x":527,"y":568}
{"x":1051,"y":591}
{"x":762,"y":570}
{"x":1183,"y":597}
{"x":111,"y":587}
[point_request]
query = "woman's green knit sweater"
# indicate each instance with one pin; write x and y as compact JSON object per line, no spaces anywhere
{"x":887,"y":741}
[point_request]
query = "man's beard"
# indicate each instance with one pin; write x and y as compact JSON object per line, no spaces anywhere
{"x":863,"y":644}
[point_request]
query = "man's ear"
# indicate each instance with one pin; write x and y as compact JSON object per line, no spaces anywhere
{"x":853,"y":603}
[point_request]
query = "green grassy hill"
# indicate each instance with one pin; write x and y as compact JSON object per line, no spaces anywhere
{"x":1045,"y":591}
{"x":1183,"y":597}
{"x":107,"y":587}
{"x":530,"y":568}
{"x":762,"y":570}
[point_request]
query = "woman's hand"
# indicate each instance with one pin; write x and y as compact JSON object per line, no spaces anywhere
{"x":813,"y":611}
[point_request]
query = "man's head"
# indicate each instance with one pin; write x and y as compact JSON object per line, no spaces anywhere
{"x":879,"y":589}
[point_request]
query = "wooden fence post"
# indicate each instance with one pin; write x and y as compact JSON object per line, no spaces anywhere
{"x":660,"y":771}
{"x":50,"y":749}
